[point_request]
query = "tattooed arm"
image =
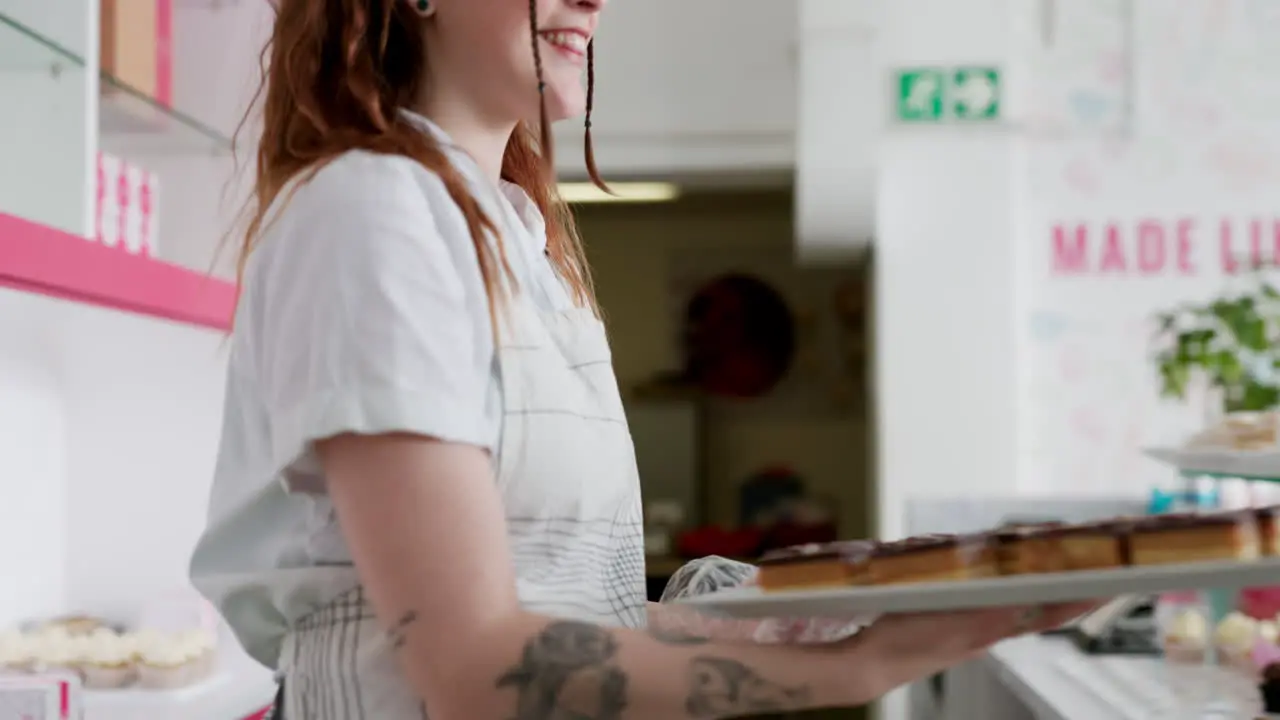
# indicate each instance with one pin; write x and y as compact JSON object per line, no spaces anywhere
{"x":425,"y":526}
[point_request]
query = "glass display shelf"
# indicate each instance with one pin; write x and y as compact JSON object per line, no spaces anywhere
{"x":129,"y":121}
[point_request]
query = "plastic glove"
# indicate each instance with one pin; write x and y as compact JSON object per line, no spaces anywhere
{"x":712,"y":574}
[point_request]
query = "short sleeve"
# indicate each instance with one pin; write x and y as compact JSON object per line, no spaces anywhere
{"x":370,"y":318}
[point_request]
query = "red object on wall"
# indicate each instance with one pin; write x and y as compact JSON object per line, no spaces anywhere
{"x":39,"y":259}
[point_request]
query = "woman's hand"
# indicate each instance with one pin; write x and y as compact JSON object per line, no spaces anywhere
{"x":904,"y":648}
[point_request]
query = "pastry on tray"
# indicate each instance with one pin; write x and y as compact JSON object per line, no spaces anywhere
{"x":1096,"y":545}
{"x":817,"y":565}
{"x":15,"y":653}
{"x":1186,"y":638}
{"x":933,"y":558}
{"x":108,"y":661}
{"x":1031,"y":549}
{"x":167,"y":666}
{"x":1026,"y":549}
{"x":1195,"y":537}
{"x":1239,"y":431}
{"x":1268,"y":519}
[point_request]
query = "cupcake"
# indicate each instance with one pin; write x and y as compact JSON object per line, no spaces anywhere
{"x":108,"y":661}
{"x":15,"y":653}
{"x":1185,"y":638}
{"x":57,"y":652}
{"x":1269,"y":631}
{"x":201,"y":645}
{"x":164,"y":665}
{"x":1235,"y":638}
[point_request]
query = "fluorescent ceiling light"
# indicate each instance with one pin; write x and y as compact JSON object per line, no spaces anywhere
{"x":645,"y":192}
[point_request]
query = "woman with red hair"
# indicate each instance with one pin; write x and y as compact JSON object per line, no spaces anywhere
{"x":426,"y":499}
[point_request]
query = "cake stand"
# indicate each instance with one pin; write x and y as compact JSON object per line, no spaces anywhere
{"x":1261,"y":466}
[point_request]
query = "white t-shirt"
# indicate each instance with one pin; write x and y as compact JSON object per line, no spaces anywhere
{"x":362,"y":310}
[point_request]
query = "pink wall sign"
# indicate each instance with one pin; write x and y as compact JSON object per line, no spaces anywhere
{"x":126,"y":207}
{"x":1163,"y":246}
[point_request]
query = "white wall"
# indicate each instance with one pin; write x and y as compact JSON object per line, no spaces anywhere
{"x":143,"y":404}
{"x":944,"y":264}
{"x":33,"y":457}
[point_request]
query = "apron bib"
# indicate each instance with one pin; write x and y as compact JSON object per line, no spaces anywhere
{"x":566,"y":468}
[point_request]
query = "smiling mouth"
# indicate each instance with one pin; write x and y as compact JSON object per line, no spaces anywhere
{"x":571,"y":42}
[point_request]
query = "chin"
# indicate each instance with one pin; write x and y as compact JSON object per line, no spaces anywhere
{"x":565,"y":103}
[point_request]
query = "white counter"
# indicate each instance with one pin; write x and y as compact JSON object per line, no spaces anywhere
{"x":1047,"y":678}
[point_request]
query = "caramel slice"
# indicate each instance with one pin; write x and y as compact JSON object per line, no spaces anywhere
{"x":933,"y":558}
{"x":818,"y":565}
{"x":1196,"y":537}
{"x":1095,"y":545}
{"x":1028,"y":549}
{"x":1267,"y":530}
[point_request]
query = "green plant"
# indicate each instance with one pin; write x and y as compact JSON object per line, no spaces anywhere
{"x":1232,"y":343}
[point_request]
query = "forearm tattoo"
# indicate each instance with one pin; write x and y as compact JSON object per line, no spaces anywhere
{"x":570,"y":671}
{"x":720,"y":687}
{"x":398,"y":634}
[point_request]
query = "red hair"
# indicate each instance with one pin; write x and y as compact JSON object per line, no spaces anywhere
{"x":335,"y":75}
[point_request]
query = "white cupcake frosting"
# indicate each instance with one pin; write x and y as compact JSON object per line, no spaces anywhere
{"x":166,"y":654}
{"x":1269,"y":631}
{"x":54,"y":647}
{"x":15,"y":649}
{"x":57,"y":650}
{"x":1189,"y":628}
{"x":108,"y":650}
{"x":197,"y":642}
{"x":1236,"y":632}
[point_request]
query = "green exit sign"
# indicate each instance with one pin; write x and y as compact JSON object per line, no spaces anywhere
{"x":932,"y":95}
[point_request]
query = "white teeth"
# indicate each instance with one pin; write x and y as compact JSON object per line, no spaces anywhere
{"x":569,"y":40}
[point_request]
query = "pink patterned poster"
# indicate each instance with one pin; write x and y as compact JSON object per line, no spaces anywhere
{"x":1132,"y":218}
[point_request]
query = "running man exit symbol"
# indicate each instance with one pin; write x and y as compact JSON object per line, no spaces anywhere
{"x":933,"y":95}
{"x":920,"y":95}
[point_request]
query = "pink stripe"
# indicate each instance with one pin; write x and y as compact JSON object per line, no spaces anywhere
{"x":39,"y":259}
{"x":164,"y":52}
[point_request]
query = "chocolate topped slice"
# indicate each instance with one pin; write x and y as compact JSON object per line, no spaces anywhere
{"x":850,"y":550}
{"x":816,"y":565}
{"x":1028,"y":530}
{"x":1187,"y":520}
{"x":1196,"y":537}
{"x":917,"y":543}
{"x":927,"y":558}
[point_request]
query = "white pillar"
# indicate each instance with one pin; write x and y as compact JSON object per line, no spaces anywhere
{"x":841,"y":113}
{"x":942,"y":221}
